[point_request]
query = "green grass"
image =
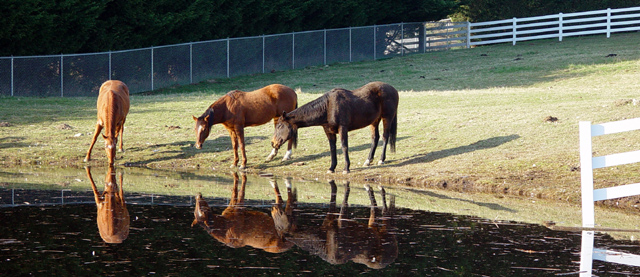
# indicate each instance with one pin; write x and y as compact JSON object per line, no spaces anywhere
{"x":472,"y":120}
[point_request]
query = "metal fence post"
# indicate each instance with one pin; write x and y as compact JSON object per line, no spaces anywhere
{"x":151,"y":67}
{"x":228,"y":55}
{"x":350,"y":46}
{"x":190,"y":62}
{"x":110,"y":72}
{"x":263,"y":52}
{"x":374,"y":42}
{"x":61,"y":75}
{"x":401,"y":38}
{"x":293,"y":50}
{"x":325,"y":46}
{"x":12,"y":69}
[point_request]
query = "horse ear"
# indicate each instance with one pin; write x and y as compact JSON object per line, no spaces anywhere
{"x":206,"y":119}
{"x":104,"y":137}
{"x":284,"y":114}
{"x":195,"y":118}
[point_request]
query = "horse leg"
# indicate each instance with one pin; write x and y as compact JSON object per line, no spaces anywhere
{"x":332,"y":147}
{"x":344,"y":138}
{"x":287,"y":155}
{"x":375,"y":137}
{"x":344,"y":209}
{"x":93,"y":141}
{"x":386,"y":125}
{"x":240,"y":133}
{"x":121,"y":149}
{"x":372,"y":198}
{"x":234,"y":144}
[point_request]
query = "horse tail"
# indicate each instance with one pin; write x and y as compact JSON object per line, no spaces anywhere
{"x":392,"y":134}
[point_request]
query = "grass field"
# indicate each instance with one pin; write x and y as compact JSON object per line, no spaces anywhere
{"x":479,"y":119}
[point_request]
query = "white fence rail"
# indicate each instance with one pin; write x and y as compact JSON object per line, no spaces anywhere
{"x":588,"y":254}
{"x":588,"y":163}
{"x":165,"y":66}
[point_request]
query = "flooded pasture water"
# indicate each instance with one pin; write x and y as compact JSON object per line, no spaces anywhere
{"x":271,"y":226}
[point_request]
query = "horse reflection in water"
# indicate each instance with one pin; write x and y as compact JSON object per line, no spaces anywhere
{"x":238,"y":226}
{"x":113,"y":216}
{"x":339,"y":239}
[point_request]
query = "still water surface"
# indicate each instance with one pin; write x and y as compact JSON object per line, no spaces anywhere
{"x":73,"y":232}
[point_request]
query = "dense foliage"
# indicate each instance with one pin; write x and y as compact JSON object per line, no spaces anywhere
{"x":33,"y":27}
{"x":488,"y":10}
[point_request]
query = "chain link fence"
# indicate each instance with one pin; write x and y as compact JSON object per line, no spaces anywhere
{"x":153,"y":68}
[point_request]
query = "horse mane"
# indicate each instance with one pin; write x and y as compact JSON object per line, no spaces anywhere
{"x":313,"y":108}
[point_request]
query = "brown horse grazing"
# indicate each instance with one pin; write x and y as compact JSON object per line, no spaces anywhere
{"x":239,"y":109}
{"x":340,"y":111}
{"x":340,"y":240}
{"x":113,"y":106}
{"x":113,"y":216}
{"x":238,"y":226}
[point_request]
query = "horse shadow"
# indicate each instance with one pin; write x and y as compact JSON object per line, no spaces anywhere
{"x":12,"y":142}
{"x":352,"y":149}
{"x":492,"y":206}
{"x":187,"y":150}
{"x":432,"y":156}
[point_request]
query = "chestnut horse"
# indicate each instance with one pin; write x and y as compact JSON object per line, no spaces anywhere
{"x":113,"y":106}
{"x":238,"y":226}
{"x":340,"y":111}
{"x":239,"y":109}
{"x":339,"y":239}
{"x":113,"y":216}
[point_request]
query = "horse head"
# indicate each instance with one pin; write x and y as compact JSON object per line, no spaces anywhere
{"x":285,"y":130}
{"x":203,"y":127}
{"x":110,"y":143}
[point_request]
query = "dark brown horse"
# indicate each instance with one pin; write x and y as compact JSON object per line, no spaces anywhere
{"x":113,"y":107}
{"x":340,"y":111}
{"x":113,"y":216}
{"x":238,"y":226}
{"x":340,"y":239}
{"x":239,"y":109}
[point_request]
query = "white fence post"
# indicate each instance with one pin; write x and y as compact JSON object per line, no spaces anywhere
{"x":560,"y":27}
{"x":468,"y":34}
{"x":61,"y":75}
{"x":608,"y":22}
{"x":514,"y":30}
{"x":588,"y":163}
{"x":586,"y":174}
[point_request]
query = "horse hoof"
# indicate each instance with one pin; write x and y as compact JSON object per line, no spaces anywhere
{"x":270,"y":158}
{"x":329,"y":171}
{"x":380,"y":162}
{"x":242,"y":168}
{"x":345,"y":172}
{"x":86,"y":160}
{"x":367,"y":163}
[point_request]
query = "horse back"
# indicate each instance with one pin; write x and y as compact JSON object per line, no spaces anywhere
{"x":260,"y":106}
{"x":113,"y":101}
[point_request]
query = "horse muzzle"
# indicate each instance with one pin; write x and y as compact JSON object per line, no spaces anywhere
{"x":276,"y":144}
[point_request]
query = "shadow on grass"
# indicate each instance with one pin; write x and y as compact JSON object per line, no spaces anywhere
{"x":216,"y":145}
{"x":432,"y":156}
{"x":12,"y":142}
{"x":492,"y":206}
{"x":354,"y":159}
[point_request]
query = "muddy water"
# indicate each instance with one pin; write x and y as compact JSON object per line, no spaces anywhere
{"x":58,"y":231}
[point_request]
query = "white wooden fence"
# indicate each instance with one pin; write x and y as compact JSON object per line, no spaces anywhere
{"x":588,"y":163}
{"x":588,"y":254}
{"x":554,"y":26}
